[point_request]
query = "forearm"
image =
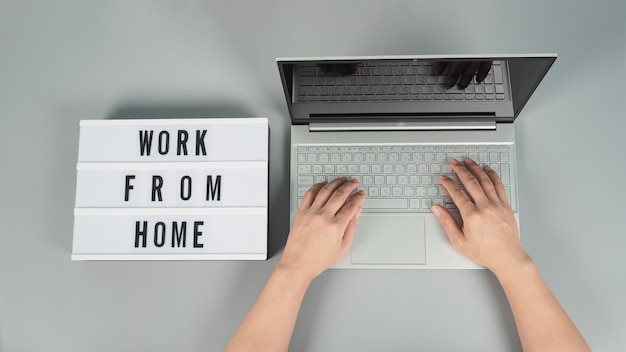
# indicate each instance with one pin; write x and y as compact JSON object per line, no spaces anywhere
{"x":270,"y":322}
{"x":542,"y":324}
{"x":321,"y":234}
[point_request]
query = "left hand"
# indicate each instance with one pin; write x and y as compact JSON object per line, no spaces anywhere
{"x":323,"y":228}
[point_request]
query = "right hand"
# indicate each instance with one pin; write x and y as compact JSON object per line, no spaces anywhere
{"x":489,"y":235}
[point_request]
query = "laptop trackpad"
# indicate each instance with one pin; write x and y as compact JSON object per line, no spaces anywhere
{"x":389,"y":239}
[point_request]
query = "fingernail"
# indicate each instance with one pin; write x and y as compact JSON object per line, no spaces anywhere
{"x":435,"y":210}
{"x":456,"y":162}
{"x":468,"y":160}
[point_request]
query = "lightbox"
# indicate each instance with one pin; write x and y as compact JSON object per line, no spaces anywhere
{"x":172,"y":189}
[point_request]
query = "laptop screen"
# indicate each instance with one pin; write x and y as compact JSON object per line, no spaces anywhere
{"x":410,"y":87}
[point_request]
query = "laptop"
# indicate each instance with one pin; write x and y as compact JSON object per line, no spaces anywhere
{"x":394,"y":123}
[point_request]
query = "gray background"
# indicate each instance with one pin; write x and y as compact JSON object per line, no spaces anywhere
{"x":62,"y":61}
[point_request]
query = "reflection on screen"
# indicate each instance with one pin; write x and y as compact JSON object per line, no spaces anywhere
{"x":410,"y":80}
{"x":367,"y":83}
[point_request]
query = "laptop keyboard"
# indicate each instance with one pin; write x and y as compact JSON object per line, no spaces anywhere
{"x":397,"y":177}
{"x":393,"y":80}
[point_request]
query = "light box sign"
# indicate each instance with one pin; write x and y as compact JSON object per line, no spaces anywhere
{"x":175,"y":189}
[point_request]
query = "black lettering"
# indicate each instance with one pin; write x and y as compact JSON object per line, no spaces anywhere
{"x":157,"y":183}
{"x":213,"y":190}
{"x":140,"y":233}
{"x":182,"y":188}
{"x":164,"y":148}
{"x":179,"y":236}
{"x":200,"y":142}
{"x":157,"y":226}
{"x":128,"y":186}
{"x":197,"y":234}
{"x":182,"y":142}
{"x":145,"y":142}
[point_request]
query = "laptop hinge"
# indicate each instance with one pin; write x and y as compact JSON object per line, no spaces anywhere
{"x":468,"y":123}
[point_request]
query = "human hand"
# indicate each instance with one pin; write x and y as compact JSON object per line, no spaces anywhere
{"x":489,"y":235}
{"x":462,"y":72}
{"x":323,"y":229}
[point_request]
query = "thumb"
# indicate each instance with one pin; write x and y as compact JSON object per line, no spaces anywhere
{"x":449,"y":224}
{"x":350,"y":230}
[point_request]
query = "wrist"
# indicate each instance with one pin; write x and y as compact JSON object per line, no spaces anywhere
{"x":514,"y":268}
{"x":294,"y":273}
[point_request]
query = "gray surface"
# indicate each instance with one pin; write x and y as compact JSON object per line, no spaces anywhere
{"x":65,"y":61}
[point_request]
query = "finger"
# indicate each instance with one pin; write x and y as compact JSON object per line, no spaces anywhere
{"x":497,"y":183}
{"x":348,"y":236}
{"x":324,"y":194}
{"x":469,"y":180}
{"x":458,"y":195}
{"x":310,"y":194}
{"x":350,"y":207}
{"x":342,"y":68}
{"x":483,"y":70}
{"x":325,"y":68}
{"x":454,"y":73}
{"x":468,"y":74}
{"x":439,"y":67}
{"x":353,"y":68}
{"x":484,"y":180}
{"x":450,"y":226}
{"x":340,"y":196}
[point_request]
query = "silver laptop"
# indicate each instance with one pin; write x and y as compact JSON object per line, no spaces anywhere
{"x":395,"y":123}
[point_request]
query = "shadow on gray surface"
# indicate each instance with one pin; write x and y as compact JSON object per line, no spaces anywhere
{"x":278,"y":196}
{"x":248,"y":281}
{"x":506,"y":317}
{"x":172,"y":111}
